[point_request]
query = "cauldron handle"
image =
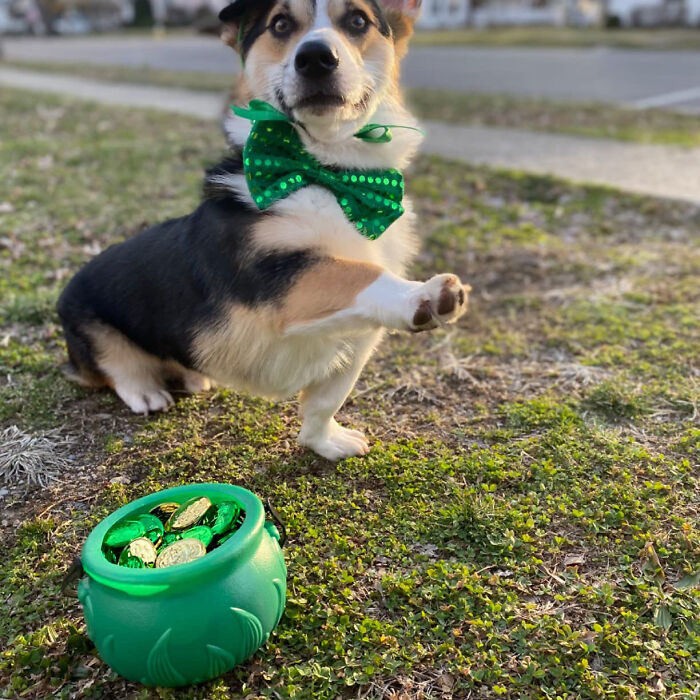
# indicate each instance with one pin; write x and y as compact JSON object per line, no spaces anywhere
{"x":276,"y":518}
{"x":75,"y":573}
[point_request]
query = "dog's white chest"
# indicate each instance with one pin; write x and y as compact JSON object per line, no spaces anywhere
{"x":267,"y":364}
{"x":248,"y":352}
{"x":312,"y":218}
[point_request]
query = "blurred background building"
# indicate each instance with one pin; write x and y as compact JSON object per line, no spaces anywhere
{"x":626,"y":13}
{"x":87,"y":16}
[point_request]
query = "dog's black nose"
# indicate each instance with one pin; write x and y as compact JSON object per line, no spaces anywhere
{"x":316,"y":60}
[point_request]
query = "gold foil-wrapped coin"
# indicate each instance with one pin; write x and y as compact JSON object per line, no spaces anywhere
{"x":181,"y":552}
{"x":164,"y":510}
{"x":189,"y":513}
{"x":143,"y":549}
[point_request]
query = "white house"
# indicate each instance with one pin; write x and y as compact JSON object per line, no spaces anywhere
{"x":692,"y":13}
{"x":437,"y":14}
{"x":491,"y":13}
{"x":654,"y":13}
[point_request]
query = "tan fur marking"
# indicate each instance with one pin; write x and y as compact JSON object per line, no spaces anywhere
{"x":84,"y":376}
{"x":192,"y":382}
{"x":229,"y":35}
{"x":326,"y":289}
{"x":270,"y":50}
{"x":246,"y":347}
{"x":116,"y":354}
{"x":370,"y":44}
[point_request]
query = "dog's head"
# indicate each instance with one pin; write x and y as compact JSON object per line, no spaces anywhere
{"x":328,"y":64}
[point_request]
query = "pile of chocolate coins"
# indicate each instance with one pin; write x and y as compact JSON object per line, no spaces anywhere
{"x":172,"y":533}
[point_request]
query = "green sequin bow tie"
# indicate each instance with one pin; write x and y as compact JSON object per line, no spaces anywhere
{"x":276,"y":164}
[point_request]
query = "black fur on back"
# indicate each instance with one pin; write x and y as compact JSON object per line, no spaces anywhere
{"x":163,"y":284}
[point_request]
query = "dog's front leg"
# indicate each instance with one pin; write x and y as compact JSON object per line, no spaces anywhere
{"x":320,"y":402}
{"x":338,"y":297}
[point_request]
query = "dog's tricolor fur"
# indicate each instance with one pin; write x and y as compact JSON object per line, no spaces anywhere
{"x":284,"y":302}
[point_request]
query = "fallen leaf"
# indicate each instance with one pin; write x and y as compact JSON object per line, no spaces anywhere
{"x":689,"y":581}
{"x":657,"y":686}
{"x":446,"y":682}
{"x":662,"y":618}
{"x":651,"y":561}
{"x":574,"y":560}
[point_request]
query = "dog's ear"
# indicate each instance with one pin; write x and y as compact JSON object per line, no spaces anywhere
{"x":239,"y":19}
{"x":401,"y":15}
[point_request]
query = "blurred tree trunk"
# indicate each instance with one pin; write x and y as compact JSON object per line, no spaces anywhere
{"x":48,"y":14}
{"x":143,"y":13}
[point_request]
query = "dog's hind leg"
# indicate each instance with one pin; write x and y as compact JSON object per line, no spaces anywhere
{"x":137,"y":377}
{"x":81,"y":367}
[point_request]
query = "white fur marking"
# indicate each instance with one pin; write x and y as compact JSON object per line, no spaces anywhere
{"x":390,"y":302}
{"x":136,"y":375}
{"x":319,"y":403}
{"x":322,"y":18}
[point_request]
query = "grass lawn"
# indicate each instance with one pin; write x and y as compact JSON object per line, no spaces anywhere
{"x":563,"y":37}
{"x":526,"y":523}
{"x":593,"y":119}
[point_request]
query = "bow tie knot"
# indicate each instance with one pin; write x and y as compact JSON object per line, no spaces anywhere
{"x":276,"y":165}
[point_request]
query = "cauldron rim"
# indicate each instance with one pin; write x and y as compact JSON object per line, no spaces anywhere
{"x":151,"y":581}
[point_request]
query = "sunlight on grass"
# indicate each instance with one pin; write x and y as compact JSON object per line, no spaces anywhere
{"x":526,"y":523}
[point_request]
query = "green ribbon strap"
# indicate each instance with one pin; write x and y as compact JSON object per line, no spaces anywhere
{"x":276,"y":164}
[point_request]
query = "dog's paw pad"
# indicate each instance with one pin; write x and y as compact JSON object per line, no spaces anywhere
{"x":442,"y":299}
{"x":423,"y":315}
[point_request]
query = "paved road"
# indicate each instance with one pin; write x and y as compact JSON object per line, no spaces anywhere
{"x":663,"y":171}
{"x":634,"y":77}
{"x":660,"y":171}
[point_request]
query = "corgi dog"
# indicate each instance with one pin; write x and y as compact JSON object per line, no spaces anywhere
{"x":289,"y":300}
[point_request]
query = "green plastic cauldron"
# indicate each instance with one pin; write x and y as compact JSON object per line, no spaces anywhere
{"x":192,"y":622}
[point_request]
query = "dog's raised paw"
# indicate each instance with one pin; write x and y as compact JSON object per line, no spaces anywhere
{"x":440,"y":300}
{"x":337,"y":443}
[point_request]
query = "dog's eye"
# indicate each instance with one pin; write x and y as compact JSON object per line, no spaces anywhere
{"x":282,"y":26}
{"x":357,"y":22}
